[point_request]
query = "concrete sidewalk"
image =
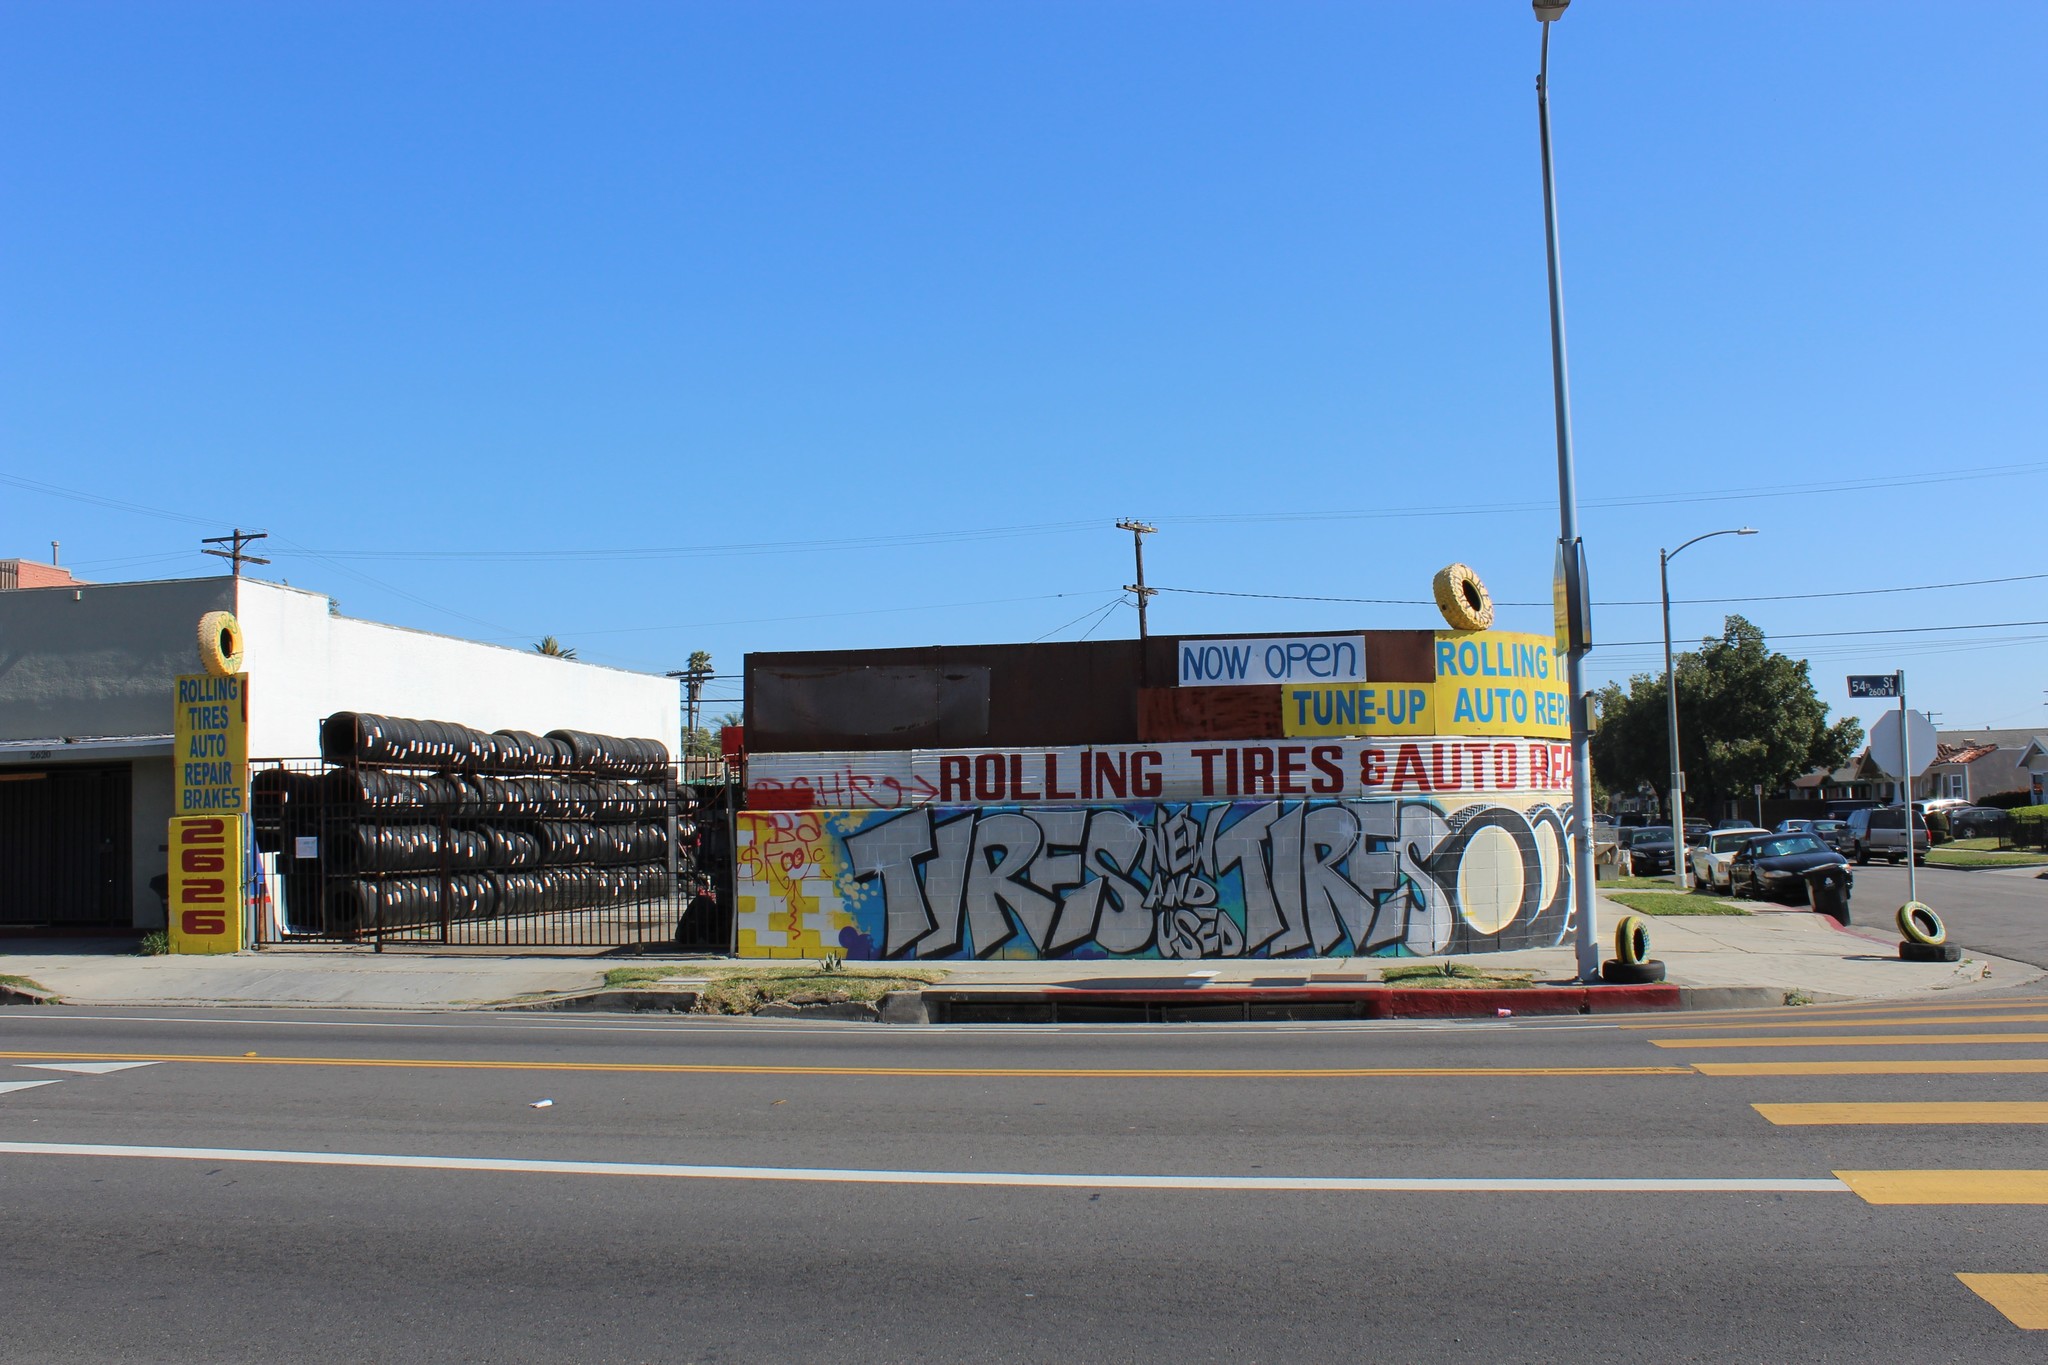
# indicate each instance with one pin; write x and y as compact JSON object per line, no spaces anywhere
{"x":1760,"y":959}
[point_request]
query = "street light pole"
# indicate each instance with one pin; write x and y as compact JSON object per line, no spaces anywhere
{"x":1570,"y":550}
{"x":1676,"y":807}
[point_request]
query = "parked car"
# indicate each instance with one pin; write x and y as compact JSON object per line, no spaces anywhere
{"x":1824,"y":830}
{"x":1978,"y":822}
{"x":1833,"y":833}
{"x":1696,"y":830}
{"x":1710,"y":860}
{"x":1882,"y":833}
{"x":1776,"y":866}
{"x":1650,"y":851}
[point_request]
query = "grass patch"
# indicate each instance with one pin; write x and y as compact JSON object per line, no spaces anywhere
{"x":747,"y":989}
{"x":1674,"y":903}
{"x":622,"y":978}
{"x":24,"y":983}
{"x":731,"y":989}
{"x":1964,"y":853}
{"x":1662,"y":883}
{"x":1455,"y":976}
{"x":155,"y":943}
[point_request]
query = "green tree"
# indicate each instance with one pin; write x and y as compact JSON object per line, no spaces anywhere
{"x":1747,"y":715}
{"x":553,"y":648}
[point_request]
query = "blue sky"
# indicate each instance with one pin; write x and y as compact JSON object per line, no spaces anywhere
{"x":771,"y":325}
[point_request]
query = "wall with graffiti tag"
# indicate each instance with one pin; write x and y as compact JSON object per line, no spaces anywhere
{"x":1384,"y":876}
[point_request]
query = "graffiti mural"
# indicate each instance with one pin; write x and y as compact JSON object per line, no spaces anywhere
{"x":1266,"y":878}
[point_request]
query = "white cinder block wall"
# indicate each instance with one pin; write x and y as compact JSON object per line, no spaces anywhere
{"x":305,"y":664}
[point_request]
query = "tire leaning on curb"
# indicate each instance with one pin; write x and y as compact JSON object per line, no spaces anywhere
{"x":220,"y":644}
{"x":1462,"y":598}
{"x":1921,"y":925}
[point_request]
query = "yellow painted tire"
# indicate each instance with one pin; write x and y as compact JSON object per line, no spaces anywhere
{"x":1920,"y":924}
{"x":220,"y":644}
{"x":1462,"y":598}
{"x":1631,"y":941}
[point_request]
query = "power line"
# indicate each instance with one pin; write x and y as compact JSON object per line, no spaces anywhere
{"x":1648,"y":602}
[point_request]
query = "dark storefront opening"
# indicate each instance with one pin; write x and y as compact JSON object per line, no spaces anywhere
{"x":64,"y":853}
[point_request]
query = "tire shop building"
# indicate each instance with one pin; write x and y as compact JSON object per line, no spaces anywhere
{"x":1364,"y":793}
{"x":89,"y":714}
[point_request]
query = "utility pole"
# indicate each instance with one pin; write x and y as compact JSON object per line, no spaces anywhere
{"x":234,"y":551}
{"x":1139,"y":530}
{"x":694,"y":677}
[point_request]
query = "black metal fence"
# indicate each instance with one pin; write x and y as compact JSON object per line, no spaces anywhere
{"x":2024,"y":832}
{"x":412,"y":853}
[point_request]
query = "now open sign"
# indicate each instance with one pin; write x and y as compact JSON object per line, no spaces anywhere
{"x":1272,"y":659}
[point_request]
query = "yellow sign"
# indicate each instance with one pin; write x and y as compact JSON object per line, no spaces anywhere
{"x":206,"y":883}
{"x":1488,"y":682}
{"x":210,"y":745}
{"x":1358,"y":709}
{"x":1498,"y":682}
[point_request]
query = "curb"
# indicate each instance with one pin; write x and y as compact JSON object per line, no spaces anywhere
{"x":27,"y":995}
{"x":1225,"y":1004}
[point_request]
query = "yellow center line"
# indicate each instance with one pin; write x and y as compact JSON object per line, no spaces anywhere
{"x":710,"y":1069}
{"x":1857,"y":1040}
{"x":1918,"y":1112}
{"x":1896,"y":1066}
{"x":1713,"y":1025}
{"x":2022,"y":1298}
{"x":1948,"y":1187}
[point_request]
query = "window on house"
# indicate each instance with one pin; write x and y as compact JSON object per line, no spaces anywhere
{"x":1958,"y":784}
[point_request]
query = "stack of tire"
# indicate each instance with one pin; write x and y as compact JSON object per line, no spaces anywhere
{"x":485,"y":825}
{"x":357,"y":739}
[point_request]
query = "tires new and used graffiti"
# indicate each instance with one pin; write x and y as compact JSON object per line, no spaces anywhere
{"x":1391,"y":876}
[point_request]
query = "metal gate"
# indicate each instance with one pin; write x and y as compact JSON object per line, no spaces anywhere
{"x":64,"y":848}
{"x":387,"y":855}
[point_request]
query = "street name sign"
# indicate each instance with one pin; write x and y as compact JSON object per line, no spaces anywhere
{"x":1873,"y":684}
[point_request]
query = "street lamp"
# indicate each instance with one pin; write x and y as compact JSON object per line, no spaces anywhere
{"x":1574,"y":618}
{"x":1677,"y":807}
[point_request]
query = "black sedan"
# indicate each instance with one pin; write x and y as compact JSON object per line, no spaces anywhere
{"x":1649,"y":851}
{"x":1775,"y":866}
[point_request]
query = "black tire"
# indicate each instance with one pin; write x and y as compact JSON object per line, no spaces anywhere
{"x":1618,"y":973}
{"x":1862,"y":855}
{"x":1910,"y":951}
{"x":1893,"y":860}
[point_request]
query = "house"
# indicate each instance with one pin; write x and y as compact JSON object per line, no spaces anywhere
{"x":1970,"y":765}
{"x":2034,"y":759}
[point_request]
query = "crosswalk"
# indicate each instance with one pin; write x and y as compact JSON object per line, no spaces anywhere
{"x":1981,"y":1041}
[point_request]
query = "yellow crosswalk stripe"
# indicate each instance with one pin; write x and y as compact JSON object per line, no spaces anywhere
{"x":1898,"y":1021}
{"x":1932,"y":1111}
{"x":1948,"y":1187}
{"x":1817,"y":1016}
{"x":2022,"y":1298}
{"x":1889,"y":1066}
{"x":1858,"y":1040}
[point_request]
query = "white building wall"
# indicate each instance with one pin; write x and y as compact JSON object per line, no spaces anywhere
{"x":305,"y":664}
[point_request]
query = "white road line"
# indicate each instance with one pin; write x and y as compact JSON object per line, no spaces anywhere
{"x":7,"y":1087}
{"x":86,"y":1068}
{"x":1026,"y":1179}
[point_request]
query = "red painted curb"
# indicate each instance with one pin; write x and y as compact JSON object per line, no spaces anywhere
{"x":1376,"y":1002}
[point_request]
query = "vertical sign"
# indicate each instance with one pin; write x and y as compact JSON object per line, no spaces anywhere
{"x":206,"y":883}
{"x":210,"y":745}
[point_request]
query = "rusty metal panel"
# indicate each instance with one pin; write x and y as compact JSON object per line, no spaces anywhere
{"x":1400,"y":655}
{"x":1191,"y":713}
{"x":1081,"y":692}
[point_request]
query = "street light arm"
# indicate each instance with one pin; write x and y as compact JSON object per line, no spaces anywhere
{"x":1731,"y":531}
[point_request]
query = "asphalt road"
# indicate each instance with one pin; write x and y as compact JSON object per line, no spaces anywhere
{"x":2003,"y":912}
{"x":752,"y":1192}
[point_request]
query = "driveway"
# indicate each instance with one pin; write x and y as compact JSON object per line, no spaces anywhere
{"x":2003,"y":911}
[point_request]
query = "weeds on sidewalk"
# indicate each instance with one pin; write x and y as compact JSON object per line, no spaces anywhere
{"x":742,"y":990}
{"x":1456,"y":976}
{"x":155,"y":943}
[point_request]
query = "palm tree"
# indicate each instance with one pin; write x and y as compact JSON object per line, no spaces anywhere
{"x":554,"y":648}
